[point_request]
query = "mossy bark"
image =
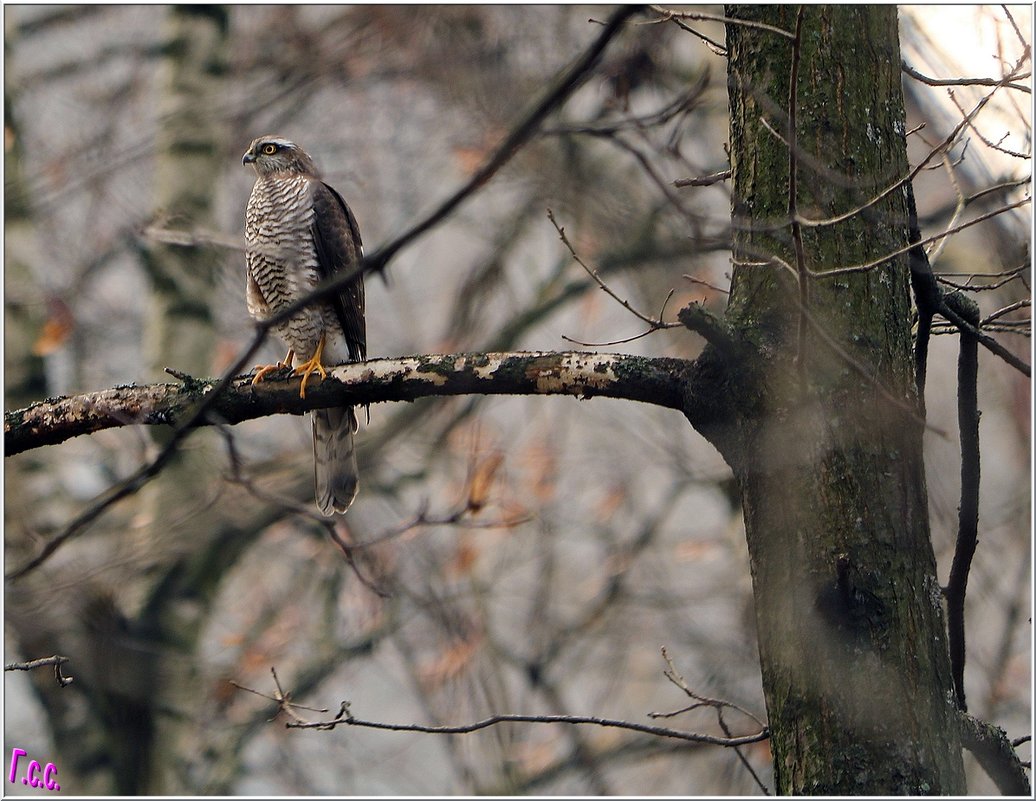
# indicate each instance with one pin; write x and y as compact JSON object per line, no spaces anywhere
{"x":825,"y":440}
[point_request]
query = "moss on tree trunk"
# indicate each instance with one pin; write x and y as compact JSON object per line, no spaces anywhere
{"x":827,"y":444}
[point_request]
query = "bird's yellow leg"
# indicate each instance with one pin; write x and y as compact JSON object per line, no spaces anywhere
{"x":262,"y":372}
{"x":311,"y":366}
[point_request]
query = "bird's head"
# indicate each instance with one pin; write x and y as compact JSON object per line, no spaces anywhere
{"x":272,"y":154}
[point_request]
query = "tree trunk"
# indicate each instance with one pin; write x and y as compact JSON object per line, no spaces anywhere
{"x":826,"y":440}
{"x":180,"y":333}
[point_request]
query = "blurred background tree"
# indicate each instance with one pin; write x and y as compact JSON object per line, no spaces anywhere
{"x":604,"y":529}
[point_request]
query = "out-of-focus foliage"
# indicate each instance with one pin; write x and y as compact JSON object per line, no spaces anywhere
{"x":601,"y":531}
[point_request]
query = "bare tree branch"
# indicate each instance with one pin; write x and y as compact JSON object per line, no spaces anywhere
{"x":717,"y":704}
{"x":935,"y":150}
{"x":654,"y":324}
{"x":966,"y":81}
{"x":658,"y":381}
{"x":565,"y":85}
{"x":668,"y":14}
{"x":344,"y":717}
{"x":705,"y":180}
{"x":987,"y":341}
{"x":967,"y":527}
{"x":1003,"y":277}
{"x":55,"y":661}
{"x":859,"y":268}
{"x":651,"y":380}
{"x":996,"y":754}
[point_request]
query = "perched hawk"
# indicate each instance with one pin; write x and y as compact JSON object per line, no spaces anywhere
{"x":298,"y":231}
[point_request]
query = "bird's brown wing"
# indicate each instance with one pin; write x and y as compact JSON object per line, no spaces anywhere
{"x":338,"y":246}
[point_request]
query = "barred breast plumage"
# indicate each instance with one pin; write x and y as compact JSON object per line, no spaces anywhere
{"x":298,"y":230}
{"x":282,"y":259}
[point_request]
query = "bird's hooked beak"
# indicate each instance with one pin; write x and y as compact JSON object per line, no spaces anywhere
{"x":249,"y":157}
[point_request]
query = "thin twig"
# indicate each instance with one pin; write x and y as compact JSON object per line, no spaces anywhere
{"x":713,"y":287}
{"x":1003,"y":277}
{"x":712,"y":44}
{"x":610,"y":343}
{"x":1021,"y":304}
{"x":55,"y":661}
{"x":652,"y":329}
{"x":654,"y":323}
{"x":281,"y":698}
{"x":680,"y":105}
{"x":705,"y":180}
{"x":947,"y":142}
{"x":674,"y":676}
{"x":965,"y":81}
{"x":1022,"y":328}
{"x":740,"y":755}
{"x":1026,"y":46}
{"x":860,"y":268}
{"x":668,"y":14}
{"x":344,"y":718}
{"x":985,"y":141}
{"x":647,"y":164}
{"x":936,"y":250}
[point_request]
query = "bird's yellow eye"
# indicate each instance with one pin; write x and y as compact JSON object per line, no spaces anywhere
{"x":269,"y":148}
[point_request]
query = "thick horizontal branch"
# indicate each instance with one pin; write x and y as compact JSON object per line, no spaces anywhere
{"x":657,"y":381}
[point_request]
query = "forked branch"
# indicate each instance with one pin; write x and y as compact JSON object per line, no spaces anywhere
{"x":344,"y":717}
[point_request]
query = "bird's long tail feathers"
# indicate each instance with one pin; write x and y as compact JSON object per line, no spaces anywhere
{"x":334,"y":459}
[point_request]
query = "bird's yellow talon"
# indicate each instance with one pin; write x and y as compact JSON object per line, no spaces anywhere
{"x":313,"y":365}
{"x":264,"y":370}
{"x":261,"y":372}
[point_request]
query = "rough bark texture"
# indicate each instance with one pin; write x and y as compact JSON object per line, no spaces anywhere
{"x":658,"y":381}
{"x":850,"y":622}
